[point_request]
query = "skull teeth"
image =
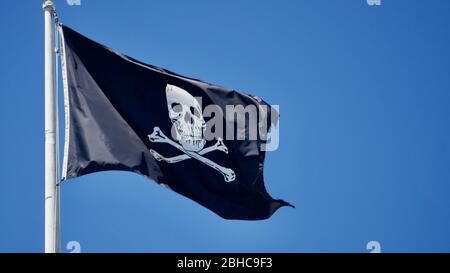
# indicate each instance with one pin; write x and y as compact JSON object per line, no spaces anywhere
{"x":190,"y":136}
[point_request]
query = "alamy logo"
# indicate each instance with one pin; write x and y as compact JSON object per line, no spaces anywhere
{"x":374,"y":2}
{"x":74,"y":2}
{"x":73,"y":247}
{"x":374,"y":247}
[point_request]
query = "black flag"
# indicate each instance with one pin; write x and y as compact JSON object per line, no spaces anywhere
{"x":122,"y":114}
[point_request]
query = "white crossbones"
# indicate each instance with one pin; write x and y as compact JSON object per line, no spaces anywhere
{"x":159,"y":137}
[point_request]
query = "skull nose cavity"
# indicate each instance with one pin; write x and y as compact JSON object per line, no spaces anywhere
{"x":188,"y":118}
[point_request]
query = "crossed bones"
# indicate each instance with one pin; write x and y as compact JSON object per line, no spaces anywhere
{"x":159,"y":137}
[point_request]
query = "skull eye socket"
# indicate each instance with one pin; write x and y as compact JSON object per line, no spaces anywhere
{"x":176,"y":107}
{"x":194,"y":111}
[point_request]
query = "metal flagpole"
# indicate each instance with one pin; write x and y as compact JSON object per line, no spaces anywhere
{"x":51,"y":135}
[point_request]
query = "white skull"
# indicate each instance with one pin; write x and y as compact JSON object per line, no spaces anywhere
{"x":186,"y":115}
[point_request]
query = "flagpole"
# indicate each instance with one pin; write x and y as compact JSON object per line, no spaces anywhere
{"x":51,"y":134}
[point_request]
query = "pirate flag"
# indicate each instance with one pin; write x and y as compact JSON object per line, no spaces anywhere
{"x":122,"y":114}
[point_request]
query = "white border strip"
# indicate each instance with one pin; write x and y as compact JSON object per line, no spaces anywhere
{"x":66,"y":104}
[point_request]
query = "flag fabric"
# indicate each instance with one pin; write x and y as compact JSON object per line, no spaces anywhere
{"x":122,"y":114}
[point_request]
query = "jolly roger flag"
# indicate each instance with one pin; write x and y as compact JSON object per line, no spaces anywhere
{"x":122,"y":114}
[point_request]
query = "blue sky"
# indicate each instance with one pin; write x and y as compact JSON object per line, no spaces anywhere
{"x":364,"y":95}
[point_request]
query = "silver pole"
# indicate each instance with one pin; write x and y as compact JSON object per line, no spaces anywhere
{"x":51,"y":135}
